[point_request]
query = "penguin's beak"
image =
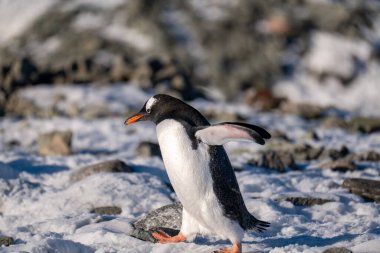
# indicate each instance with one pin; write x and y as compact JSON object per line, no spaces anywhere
{"x":134,"y":118}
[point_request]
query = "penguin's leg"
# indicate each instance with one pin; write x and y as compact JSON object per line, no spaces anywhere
{"x":236,"y":248}
{"x":163,"y":237}
{"x":188,"y":229}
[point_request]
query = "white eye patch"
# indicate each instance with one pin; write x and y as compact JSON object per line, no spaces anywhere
{"x":151,"y":101}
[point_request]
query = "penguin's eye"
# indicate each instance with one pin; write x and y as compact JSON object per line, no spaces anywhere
{"x":148,"y":110}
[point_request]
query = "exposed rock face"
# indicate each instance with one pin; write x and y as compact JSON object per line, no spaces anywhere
{"x":366,"y":188}
{"x":55,"y":143}
{"x":167,"y":218}
{"x":103,"y":167}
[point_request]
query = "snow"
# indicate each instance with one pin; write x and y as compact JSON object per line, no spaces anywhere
{"x":44,"y":211}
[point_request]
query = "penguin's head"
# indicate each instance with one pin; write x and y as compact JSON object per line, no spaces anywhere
{"x":161,"y":107}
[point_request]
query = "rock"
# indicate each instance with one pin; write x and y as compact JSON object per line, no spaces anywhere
{"x":366,"y":188}
{"x":333,"y":122}
{"x":304,"y":201}
{"x":263,"y":99}
{"x":55,"y":143}
{"x":370,"y":156}
{"x":338,"y":154}
{"x":107,"y":210}
{"x":103,"y":167}
{"x":167,"y":218}
{"x":307,"y":111}
{"x":148,"y":149}
{"x":21,"y":106}
{"x":365,"y":125}
{"x":306,"y":152}
{"x":337,"y":250}
{"x":6,"y":240}
{"x":279,"y":161}
{"x":341,"y":165}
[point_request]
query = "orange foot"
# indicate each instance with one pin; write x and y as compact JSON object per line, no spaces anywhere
{"x":163,"y":237}
{"x":235,"y":249}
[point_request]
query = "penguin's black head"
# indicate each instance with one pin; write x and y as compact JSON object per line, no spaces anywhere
{"x":161,"y":107}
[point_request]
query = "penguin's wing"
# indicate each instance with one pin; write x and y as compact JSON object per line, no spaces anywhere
{"x":224,"y":132}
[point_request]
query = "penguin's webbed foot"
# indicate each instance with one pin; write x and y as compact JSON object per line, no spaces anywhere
{"x":163,"y":237}
{"x":235,"y":249}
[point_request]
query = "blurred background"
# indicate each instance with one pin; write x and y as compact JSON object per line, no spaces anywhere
{"x":267,"y":54}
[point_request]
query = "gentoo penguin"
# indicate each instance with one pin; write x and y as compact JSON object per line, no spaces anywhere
{"x":200,"y":171}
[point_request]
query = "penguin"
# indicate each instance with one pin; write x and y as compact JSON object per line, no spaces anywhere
{"x":200,"y":171}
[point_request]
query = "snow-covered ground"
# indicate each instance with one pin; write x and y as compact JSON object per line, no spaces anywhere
{"x":46,"y":212}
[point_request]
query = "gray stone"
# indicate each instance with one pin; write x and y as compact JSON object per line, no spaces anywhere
{"x":366,"y":188}
{"x":107,"y":210}
{"x":304,"y":201}
{"x":103,"y":167}
{"x":167,"y":218}
{"x":337,"y":250}
{"x":55,"y":143}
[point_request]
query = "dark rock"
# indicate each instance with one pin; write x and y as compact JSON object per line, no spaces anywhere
{"x":6,"y":240}
{"x":280,"y":161}
{"x":107,"y":210}
{"x":366,"y":188}
{"x":167,"y":218}
{"x":103,"y":167}
{"x":341,"y":165}
{"x":337,"y":250}
{"x":148,"y":149}
{"x":55,"y":143}
{"x":304,"y":201}
{"x":338,"y":154}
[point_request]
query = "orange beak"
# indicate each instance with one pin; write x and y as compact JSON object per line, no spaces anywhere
{"x":133,"y":119}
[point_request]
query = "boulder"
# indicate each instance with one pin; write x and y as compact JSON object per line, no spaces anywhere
{"x":55,"y":143}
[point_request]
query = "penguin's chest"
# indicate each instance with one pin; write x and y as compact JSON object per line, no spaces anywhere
{"x":187,"y":168}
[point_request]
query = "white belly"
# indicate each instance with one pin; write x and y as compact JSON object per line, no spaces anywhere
{"x":187,"y":168}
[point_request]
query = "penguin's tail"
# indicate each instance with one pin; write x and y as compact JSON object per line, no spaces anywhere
{"x":257,"y":225}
